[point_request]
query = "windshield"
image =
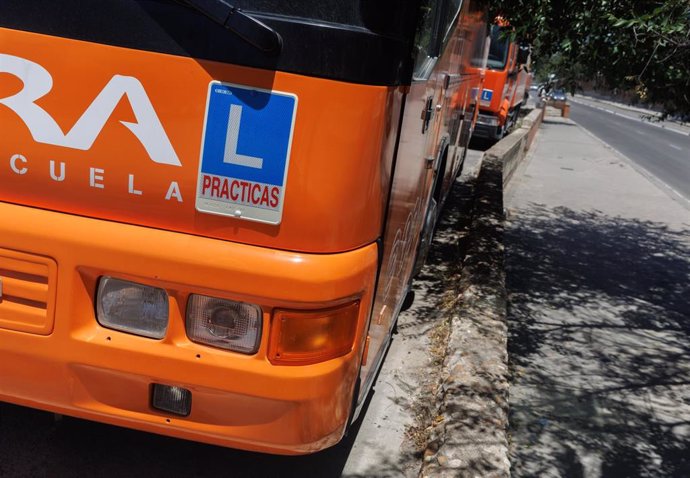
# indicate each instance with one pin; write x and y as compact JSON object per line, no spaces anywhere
{"x":498,"y":52}
{"x":358,"y":41}
{"x":382,"y":16}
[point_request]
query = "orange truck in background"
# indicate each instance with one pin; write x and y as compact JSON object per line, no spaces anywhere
{"x":211,"y":215}
{"x":506,"y":85}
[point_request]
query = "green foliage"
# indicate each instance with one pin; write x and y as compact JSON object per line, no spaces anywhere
{"x":639,"y":46}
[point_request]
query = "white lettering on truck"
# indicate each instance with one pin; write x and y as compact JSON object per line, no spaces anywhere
{"x":38,"y":82}
{"x":13,"y":164}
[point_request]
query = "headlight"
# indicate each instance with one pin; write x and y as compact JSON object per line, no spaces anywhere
{"x":224,"y":323}
{"x":133,"y":308}
{"x":487,"y":120}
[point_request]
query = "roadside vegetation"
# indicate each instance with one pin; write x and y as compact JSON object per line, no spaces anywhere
{"x":640,"y":47}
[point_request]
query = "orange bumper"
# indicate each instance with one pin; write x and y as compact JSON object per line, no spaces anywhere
{"x":76,"y":367}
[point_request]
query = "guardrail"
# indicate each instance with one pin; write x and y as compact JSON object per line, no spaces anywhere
{"x":512,"y":149}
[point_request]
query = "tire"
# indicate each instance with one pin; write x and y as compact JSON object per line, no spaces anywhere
{"x":427,"y":235}
{"x":432,"y":214}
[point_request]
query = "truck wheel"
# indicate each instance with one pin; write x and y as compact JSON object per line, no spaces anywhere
{"x":432,"y":214}
{"x":427,"y":236}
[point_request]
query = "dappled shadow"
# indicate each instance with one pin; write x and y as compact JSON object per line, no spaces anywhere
{"x":444,"y":262}
{"x":471,"y":434}
{"x":34,"y":445}
{"x":599,"y":319}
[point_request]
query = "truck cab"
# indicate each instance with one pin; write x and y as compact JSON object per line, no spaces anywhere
{"x":506,"y":85}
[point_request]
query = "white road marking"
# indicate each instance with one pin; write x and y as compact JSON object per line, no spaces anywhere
{"x":675,"y":147}
{"x":640,"y":120}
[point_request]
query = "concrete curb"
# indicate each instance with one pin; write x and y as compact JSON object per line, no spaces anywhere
{"x":470,"y":438}
{"x":512,"y":149}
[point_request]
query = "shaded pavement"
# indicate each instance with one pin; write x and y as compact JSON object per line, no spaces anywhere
{"x":598,"y":276}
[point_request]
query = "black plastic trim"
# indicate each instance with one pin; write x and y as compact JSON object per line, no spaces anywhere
{"x":351,"y":53}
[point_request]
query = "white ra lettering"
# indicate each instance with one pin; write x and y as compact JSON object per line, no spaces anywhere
{"x":38,"y":82}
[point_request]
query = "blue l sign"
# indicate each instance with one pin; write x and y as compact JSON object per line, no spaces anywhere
{"x":487,"y":95}
{"x":245,"y":152}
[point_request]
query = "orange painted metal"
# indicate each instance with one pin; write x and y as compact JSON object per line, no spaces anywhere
{"x":305,"y":338}
{"x":323,"y":254}
{"x":508,"y":85}
{"x":27,"y":292}
{"x":358,"y":155}
{"x":333,"y":200}
{"x":427,"y":163}
{"x":85,"y":370}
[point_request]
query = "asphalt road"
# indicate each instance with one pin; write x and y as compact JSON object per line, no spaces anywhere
{"x":662,"y":153}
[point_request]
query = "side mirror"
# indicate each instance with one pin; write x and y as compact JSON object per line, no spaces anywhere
{"x":523,"y":54}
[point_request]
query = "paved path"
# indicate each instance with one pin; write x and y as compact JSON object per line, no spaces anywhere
{"x":598,"y":273}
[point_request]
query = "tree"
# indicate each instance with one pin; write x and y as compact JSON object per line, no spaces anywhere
{"x":639,"y":46}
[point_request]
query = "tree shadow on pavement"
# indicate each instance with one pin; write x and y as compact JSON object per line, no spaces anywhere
{"x":599,"y":325}
{"x":34,"y":445}
{"x":444,"y":262}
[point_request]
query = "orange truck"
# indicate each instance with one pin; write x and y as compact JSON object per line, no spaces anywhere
{"x":506,"y":85}
{"x":211,"y":214}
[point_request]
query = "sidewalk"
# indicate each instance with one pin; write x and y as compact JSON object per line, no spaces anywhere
{"x":598,"y":276}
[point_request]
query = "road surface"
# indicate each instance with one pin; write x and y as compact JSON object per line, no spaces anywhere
{"x":663,"y":153}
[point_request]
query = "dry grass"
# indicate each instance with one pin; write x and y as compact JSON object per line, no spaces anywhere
{"x":426,"y":407}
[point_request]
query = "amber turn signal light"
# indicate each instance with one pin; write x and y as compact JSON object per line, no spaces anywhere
{"x":308,"y":337}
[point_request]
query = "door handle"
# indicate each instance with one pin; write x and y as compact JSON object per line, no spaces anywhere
{"x":427,"y":113}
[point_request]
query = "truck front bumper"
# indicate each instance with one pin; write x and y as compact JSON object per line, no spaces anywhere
{"x":487,"y":127}
{"x":77,"y":367}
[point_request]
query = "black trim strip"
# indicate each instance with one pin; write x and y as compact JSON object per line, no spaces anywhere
{"x":329,"y":50}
